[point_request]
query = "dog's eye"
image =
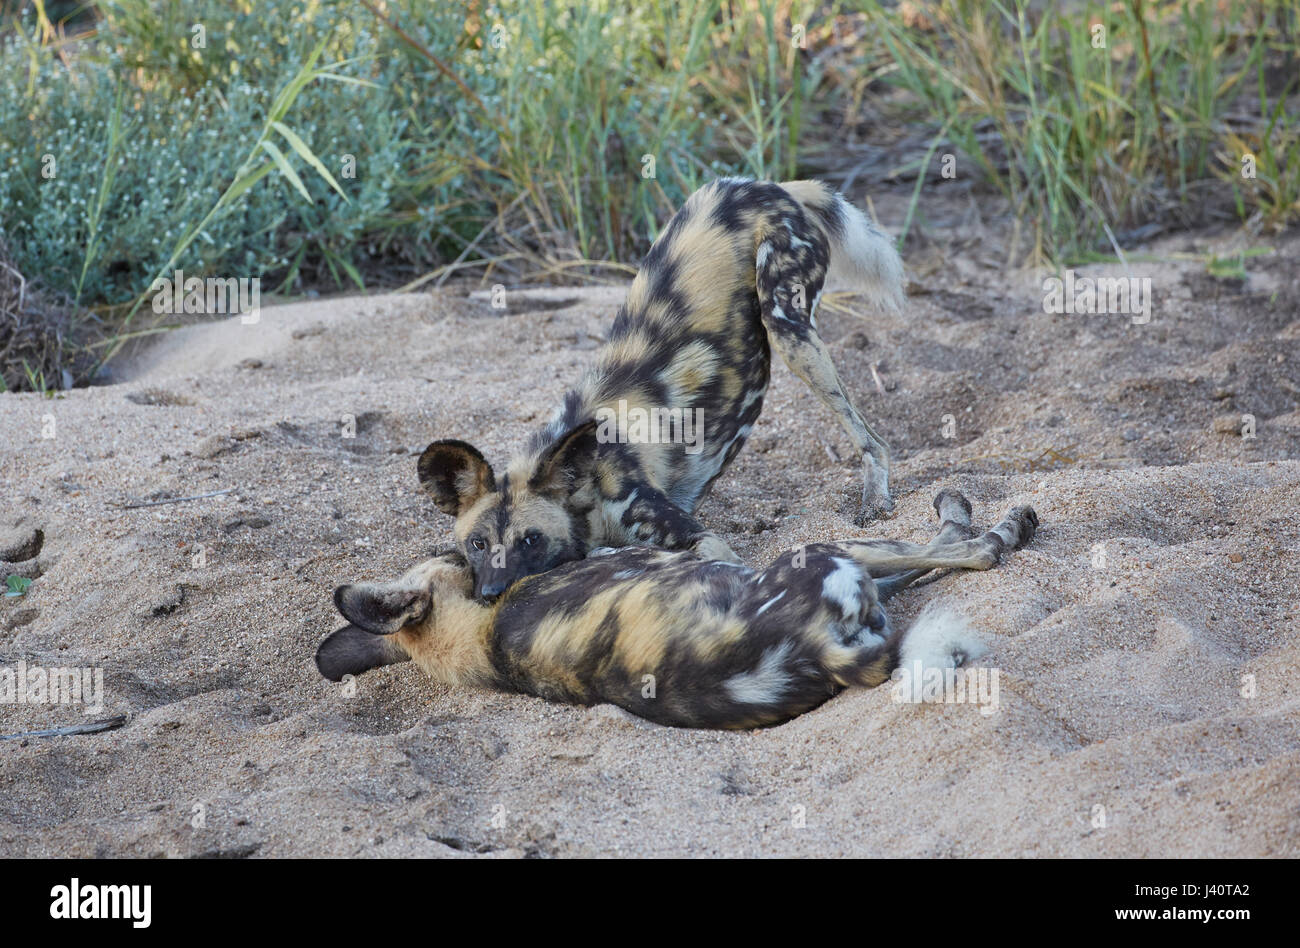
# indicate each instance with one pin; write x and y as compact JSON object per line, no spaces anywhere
{"x":532,"y":538}
{"x":478,"y":543}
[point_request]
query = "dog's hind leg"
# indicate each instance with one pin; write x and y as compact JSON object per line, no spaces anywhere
{"x":791,"y":267}
{"x":884,"y":558}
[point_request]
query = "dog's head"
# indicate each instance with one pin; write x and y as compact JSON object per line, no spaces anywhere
{"x":521,"y":524}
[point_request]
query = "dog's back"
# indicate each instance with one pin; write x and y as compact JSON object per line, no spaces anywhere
{"x":742,"y":262}
{"x":687,"y":642}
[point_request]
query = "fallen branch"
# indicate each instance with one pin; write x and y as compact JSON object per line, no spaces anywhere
{"x":92,"y":727}
{"x":173,"y":500}
{"x":875,"y":376}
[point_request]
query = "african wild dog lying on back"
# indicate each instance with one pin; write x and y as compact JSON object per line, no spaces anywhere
{"x":670,"y":636}
{"x":739,"y":267}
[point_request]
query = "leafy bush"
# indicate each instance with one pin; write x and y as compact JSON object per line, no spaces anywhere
{"x":512,"y":136}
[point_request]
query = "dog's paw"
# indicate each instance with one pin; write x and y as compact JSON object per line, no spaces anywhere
{"x":710,"y":546}
{"x":874,"y":507}
{"x":876,"y":502}
{"x":871,"y":512}
{"x":948,"y":497}
{"x":1026,"y":521}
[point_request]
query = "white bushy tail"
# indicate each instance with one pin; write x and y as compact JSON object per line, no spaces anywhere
{"x":939,"y":638}
{"x":863,"y":258}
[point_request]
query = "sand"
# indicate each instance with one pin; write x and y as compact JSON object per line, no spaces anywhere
{"x":1147,"y":642}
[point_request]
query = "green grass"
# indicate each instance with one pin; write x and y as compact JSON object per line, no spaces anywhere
{"x":522,"y":141}
{"x":1098,"y":121}
{"x":332,"y":144}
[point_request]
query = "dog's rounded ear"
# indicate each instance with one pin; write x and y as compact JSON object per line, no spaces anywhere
{"x":569,"y":461}
{"x":381,"y":610}
{"x":455,"y":474}
{"x":351,"y":651}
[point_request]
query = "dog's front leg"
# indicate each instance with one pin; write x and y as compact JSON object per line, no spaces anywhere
{"x":649,"y":518}
{"x":710,"y":546}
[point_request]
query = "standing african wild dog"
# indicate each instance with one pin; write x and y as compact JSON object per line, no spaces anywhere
{"x":739,"y":268}
{"x":669,"y":636}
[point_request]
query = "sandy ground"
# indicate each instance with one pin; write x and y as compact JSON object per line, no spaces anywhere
{"x":1146,"y":642}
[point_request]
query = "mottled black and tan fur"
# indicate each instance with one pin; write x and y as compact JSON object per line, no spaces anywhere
{"x":737,"y":272}
{"x":671,"y":636}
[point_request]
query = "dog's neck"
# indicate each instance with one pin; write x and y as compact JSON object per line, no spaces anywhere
{"x":458,"y":651}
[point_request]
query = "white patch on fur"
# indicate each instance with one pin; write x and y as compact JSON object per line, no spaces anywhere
{"x":939,"y":638}
{"x":751,"y":396}
{"x":742,"y":433}
{"x":865,"y":260}
{"x":686,"y":491}
{"x":866,"y":637}
{"x":771,"y":602}
{"x":844,"y":586}
{"x":613,"y":512}
{"x":766,"y":684}
{"x":795,"y":240}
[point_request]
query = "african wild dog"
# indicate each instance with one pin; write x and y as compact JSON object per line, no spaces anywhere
{"x":740,"y":267}
{"x":670,"y":636}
